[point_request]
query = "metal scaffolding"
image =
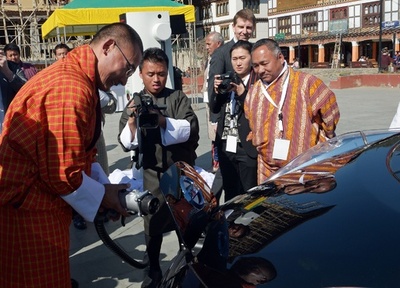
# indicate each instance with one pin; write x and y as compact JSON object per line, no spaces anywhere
{"x":22,"y":20}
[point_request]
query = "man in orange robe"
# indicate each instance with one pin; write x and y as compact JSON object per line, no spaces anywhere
{"x":289,"y":111}
{"x":47,"y":154}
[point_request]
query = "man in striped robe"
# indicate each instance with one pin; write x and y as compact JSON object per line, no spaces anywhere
{"x":47,"y":151}
{"x":289,"y":111}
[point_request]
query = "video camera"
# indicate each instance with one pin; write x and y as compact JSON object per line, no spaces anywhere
{"x":227,"y":78}
{"x":144,"y":103}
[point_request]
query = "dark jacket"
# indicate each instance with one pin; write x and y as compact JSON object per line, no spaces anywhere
{"x":10,"y":88}
{"x":157,"y":156}
{"x":220,"y":63}
{"x":218,"y":104}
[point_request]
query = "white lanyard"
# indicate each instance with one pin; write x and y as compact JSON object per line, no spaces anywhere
{"x":281,"y":102}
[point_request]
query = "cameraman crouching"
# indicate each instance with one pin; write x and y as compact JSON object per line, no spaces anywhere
{"x":175,"y":138}
{"x":237,"y":156}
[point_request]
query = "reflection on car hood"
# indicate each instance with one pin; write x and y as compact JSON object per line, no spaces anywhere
{"x":352,"y":142}
{"x":326,"y":219}
{"x":266,"y":211}
{"x":304,"y":197}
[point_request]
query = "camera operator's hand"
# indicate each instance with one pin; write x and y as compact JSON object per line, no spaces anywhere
{"x":238,"y":88}
{"x":131,"y":108}
{"x":217,"y":82}
{"x":161,"y":118}
{"x":111,"y":198}
{"x":217,"y":85}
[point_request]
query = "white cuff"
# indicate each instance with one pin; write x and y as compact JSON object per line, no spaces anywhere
{"x":104,"y":98}
{"x":98,"y":174}
{"x":177,"y":131}
{"x":87,"y":198}
{"x":126,"y":136}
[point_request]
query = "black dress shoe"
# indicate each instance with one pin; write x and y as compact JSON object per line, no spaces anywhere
{"x":79,"y":222}
{"x":152,"y":279}
{"x":74,"y":283}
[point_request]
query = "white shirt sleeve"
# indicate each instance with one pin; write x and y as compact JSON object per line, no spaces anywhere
{"x":98,"y":174}
{"x":87,"y":198}
{"x":104,"y":98}
{"x":126,"y":136}
{"x":177,"y":131}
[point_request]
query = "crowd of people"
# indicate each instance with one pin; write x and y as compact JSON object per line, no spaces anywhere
{"x":261,"y":112}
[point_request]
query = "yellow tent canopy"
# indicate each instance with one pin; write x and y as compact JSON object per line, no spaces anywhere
{"x":87,"y":21}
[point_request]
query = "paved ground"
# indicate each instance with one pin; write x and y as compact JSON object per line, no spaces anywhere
{"x":93,"y":265}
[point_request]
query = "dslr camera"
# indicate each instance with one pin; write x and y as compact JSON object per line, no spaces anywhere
{"x":227,"y":79}
{"x":144,"y":103}
{"x":139,"y":202}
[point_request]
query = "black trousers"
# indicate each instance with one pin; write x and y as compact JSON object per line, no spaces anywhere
{"x":238,"y":170}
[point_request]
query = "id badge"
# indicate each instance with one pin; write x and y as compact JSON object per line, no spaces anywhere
{"x":231,"y":143}
{"x":281,"y":149}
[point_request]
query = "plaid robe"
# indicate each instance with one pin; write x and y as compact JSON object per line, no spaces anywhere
{"x":310,"y":113}
{"x":45,"y":145}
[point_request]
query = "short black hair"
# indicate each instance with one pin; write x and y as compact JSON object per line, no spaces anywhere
{"x":121,"y":32}
{"x":241,"y":44}
{"x":154,"y":55}
{"x":61,"y":46}
{"x":11,"y":47}
{"x":271,"y":45}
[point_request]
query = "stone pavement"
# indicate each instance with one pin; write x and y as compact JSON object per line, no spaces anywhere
{"x":93,"y":265}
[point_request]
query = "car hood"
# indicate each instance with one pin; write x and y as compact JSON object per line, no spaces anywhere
{"x":325,"y":219}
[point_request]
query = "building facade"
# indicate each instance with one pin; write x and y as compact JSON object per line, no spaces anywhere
{"x":310,"y":29}
{"x":315,"y":31}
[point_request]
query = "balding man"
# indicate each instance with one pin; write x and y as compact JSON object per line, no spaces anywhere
{"x":47,"y":153}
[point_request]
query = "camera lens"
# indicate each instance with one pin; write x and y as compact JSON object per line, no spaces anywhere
{"x":224,"y":87}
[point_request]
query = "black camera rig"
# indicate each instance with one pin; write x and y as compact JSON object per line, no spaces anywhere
{"x":228,"y":78}
{"x":144,"y":103}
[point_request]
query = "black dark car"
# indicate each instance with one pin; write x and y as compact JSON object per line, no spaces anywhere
{"x":327,"y":219}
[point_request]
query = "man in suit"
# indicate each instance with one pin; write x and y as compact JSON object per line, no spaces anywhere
{"x":243,"y":25}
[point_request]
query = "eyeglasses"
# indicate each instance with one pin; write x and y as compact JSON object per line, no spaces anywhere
{"x":131,"y":68}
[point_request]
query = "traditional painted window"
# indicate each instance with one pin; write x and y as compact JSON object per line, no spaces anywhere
{"x":310,"y":22}
{"x":223,"y":8}
{"x":371,"y":14}
{"x":284,"y":25}
{"x":253,"y":5}
{"x":225,"y":32}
